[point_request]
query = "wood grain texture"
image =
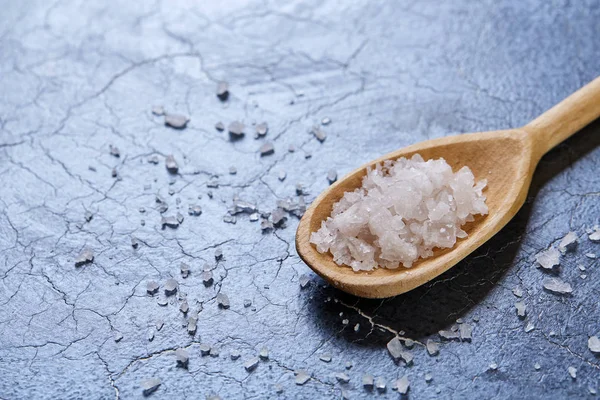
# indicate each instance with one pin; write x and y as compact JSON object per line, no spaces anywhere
{"x":506,"y":158}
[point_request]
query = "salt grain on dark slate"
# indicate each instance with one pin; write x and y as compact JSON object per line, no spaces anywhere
{"x":153,"y":159}
{"x":292,"y":148}
{"x":223,"y":90}
{"x":150,"y":335}
{"x":247,"y":303}
{"x":304,"y":281}
{"x":236,"y":130}
{"x":184,"y":307}
{"x":521,"y":309}
{"x":214,"y":352}
{"x":152,"y":287}
{"x":380,"y":384}
{"x":170,"y":287}
{"x":278,"y":218}
{"x":179,"y":217}
{"x":264,"y":353}
{"x":158,"y":110}
{"x":251,"y":364}
{"x":234,"y":354}
{"x":176,"y":121}
{"x":171,"y":164}
{"x":219,"y":126}
{"x":191,"y":327}
{"x":114,"y":173}
{"x":332,"y":176}
{"x":266,"y":149}
{"x":204,"y":349}
{"x":118,"y":336}
{"x":433,"y":348}
{"x":182,"y":356}
{"x":223,"y":300}
{"x":171,"y":222}
{"x":261,"y":129}
{"x":282,"y":175}
{"x":150,"y":385}
{"x":319,"y":134}
{"x":466,"y":332}
{"x":88,"y":216}
{"x":232,"y":170}
{"x":207,"y":278}
{"x":594,"y":344}
{"x":342,"y":377}
{"x":367,"y":381}
{"x":557,"y":286}
{"x":162,"y":301}
{"x":301,"y":377}
{"x":114,"y":151}
{"x":194,"y":210}
{"x":402,"y":385}
{"x":159,"y":324}
{"x":85,"y":257}
{"x":185,"y":270}
{"x":134,"y":243}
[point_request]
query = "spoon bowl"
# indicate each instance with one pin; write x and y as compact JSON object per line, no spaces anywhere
{"x":506,"y":158}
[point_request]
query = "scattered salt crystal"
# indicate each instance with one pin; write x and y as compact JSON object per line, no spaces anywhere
{"x":572,"y":372}
{"x":568,"y":243}
{"x":176,"y":121}
{"x":403,"y":385}
{"x":342,"y":377}
{"x":182,"y":357}
{"x":261,"y":129}
{"x":521,"y":309}
{"x":557,"y":286}
{"x":150,"y":385}
{"x":223,"y":300}
{"x":428,"y":378}
{"x":590,"y":255}
{"x":537,"y":366}
{"x":223,"y":90}
{"x":433,"y":348}
{"x":380,"y":384}
{"x":332,"y":176}
{"x":170,"y":286}
{"x":518,"y":291}
{"x":264,"y":353}
{"x":367,"y":381}
{"x":325,"y":121}
{"x":118,"y":336}
{"x":403,"y":211}
{"x":325,"y":358}
{"x":548,"y":259}
{"x":301,"y":376}
{"x":304,"y":280}
{"x":595,"y":235}
{"x":529,"y":327}
{"x":465,"y":332}
{"x":266,"y":149}
{"x":85,"y":257}
{"x":251,"y":364}
{"x":594,"y":344}
{"x":234,"y":354}
{"x":493,"y":366}
{"x":348,"y":364}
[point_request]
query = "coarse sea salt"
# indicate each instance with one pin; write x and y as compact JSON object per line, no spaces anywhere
{"x":404,"y":209}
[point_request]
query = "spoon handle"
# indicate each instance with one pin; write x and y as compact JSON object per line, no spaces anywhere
{"x":566,"y":118}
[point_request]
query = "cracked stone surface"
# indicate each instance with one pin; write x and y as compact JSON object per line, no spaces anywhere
{"x":79,"y":77}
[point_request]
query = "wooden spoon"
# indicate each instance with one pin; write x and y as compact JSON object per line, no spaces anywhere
{"x":505,"y":158}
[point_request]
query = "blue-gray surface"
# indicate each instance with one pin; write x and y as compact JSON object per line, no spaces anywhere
{"x":79,"y":76}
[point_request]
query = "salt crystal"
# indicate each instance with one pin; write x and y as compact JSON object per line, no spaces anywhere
{"x":118,"y":336}
{"x":282,"y":175}
{"x":572,"y":372}
{"x":332,"y":176}
{"x":403,"y":211}
{"x":223,"y":90}
{"x":219,"y":126}
{"x":266,"y":149}
{"x":251,"y":364}
{"x":158,"y":110}
{"x":590,"y":255}
{"x":325,"y":358}
{"x":264,"y":353}
{"x":493,"y":366}
{"x":529,"y":327}
{"x":428,"y":378}
{"x":367,"y":381}
{"x":465,"y":332}
{"x":319,"y":134}
{"x":236,"y":130}
{"x":380,"y":384}
{"x":342,"y":377}
{"x":301,"y":377}
{"x":234,"y":354}
{"x":521,"y":309}
{"x":85,"y":257}
{"x":518,"y":291}
{"x":325,"y":121}
{"x":304,"y":281}
{"x":150,"y":385}
{"x":170,"y":286}
{"x":557,"y":286}
{"x":537,"y":366}
{"x":568,"y":243}
{"x":152,"y":287}
{"x":223,"y":300}
{"x":403,"y":385}
{"x":182,"y":357}
{"x":433,"y":348}
{"x":176,"y":121}
{"x":548,"y":259}
{"x":594,"y":344}
{"x":171,"y":164}
{"x":595,"y":235}
{"x":261,"y":129}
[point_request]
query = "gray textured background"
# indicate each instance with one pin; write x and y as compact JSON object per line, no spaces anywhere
{"x":76,"y":77}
